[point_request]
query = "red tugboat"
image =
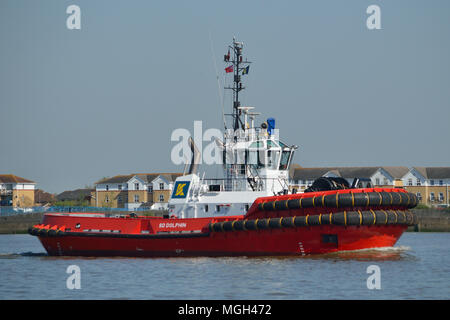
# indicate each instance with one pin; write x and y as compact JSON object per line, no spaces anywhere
{"x":249,"y":212}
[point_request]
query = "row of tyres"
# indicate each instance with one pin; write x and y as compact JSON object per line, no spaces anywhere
{"x":351,"y":218}
{"x":344,"y":200}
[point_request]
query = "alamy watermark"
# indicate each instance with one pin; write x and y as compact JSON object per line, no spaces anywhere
{"x":74,"y":280}
{"x":374,"y":280}
{"x":373,"y":22}
{"x":210,"y":146}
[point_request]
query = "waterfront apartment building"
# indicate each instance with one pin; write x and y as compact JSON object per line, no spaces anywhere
{"x":16,"y":191}
{"x":132,"y":191}
{"x":430,"y":184}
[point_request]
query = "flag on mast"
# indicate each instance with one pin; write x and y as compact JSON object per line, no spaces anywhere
{"x":245,"y":70}
{"x":229,"y":69}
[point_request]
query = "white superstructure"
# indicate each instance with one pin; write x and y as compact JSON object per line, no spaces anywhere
{"x":255,"y":163}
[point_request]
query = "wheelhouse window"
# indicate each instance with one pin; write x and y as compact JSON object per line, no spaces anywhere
{"x":284,"y":160}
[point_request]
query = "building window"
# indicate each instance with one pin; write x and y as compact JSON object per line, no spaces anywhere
{"x":119,"y":186}
{"x":385,"y":182}
{"x":136,"y":198}
{"x":107,"y":187}
{"x":432,"y":182}
{"x":161,"y":186}
{"x":441,"y":197}
{"x":418,"y":182}
{"x":150,"y":188}
{"x":106,"y":199}
{"x":119,"y":199}
{"x":409,"y":182}
{"x":136,"y":186}
{"x":431,"y":196}
{"x":161,"y":198}
{"x":377,"y":181}
{"x":441,"y":182}
{"x":419,"y":196}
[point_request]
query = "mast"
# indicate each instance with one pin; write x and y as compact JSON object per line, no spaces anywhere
{"x":238,"y":66}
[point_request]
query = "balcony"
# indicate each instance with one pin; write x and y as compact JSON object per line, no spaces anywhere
{"x":6,"y":191}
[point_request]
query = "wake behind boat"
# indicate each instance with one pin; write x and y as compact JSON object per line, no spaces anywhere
{"x":249,"y":212}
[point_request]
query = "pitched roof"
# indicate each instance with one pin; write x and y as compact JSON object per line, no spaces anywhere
{"x":434,"y":172}
{"x":396,"y":172}
{"x":116,"y":179}
{"x":146,"y":177}
{"x":11,"y":178}
{"x":345,"y":172}
{"x":78,"y":194}
{"x":357,"y":172}
{"x":309,"y":173}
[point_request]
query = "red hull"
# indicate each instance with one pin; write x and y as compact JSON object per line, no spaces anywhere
{"x":300,"y":224}
{"x":295,"y":241}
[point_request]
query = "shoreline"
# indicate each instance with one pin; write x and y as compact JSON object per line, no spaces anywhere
{"x":430,"y":220}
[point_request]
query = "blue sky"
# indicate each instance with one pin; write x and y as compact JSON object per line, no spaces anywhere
{"x":79,"y":105}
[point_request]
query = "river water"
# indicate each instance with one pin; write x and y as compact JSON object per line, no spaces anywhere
{"x":417,"y":267}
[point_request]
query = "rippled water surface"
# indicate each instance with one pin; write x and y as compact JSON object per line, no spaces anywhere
{"x":418,"y":267}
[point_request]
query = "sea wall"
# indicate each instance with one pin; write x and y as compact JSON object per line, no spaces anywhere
{"x":19,"y":223}
{"x":430,"y":220}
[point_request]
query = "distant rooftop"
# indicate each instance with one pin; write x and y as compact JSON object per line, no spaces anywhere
{"x":346,"y":172}
{"x":147,"y":177}
{"x":10,"y":178}
{"x":434,"y":172}
{"x":78,"y":194}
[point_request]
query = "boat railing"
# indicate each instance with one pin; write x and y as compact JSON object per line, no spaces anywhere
{"x":239,"y":184}
{"x":13,"y":211}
